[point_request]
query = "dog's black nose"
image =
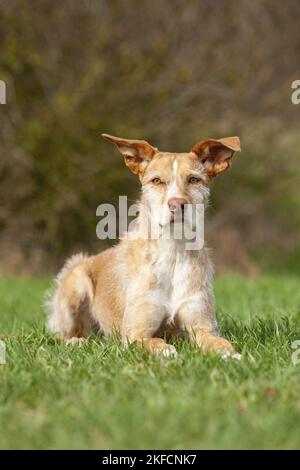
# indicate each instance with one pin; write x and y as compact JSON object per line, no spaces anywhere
{"x":176,"y":204}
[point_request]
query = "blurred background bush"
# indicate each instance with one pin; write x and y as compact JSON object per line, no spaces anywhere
{"x":168,"y":71}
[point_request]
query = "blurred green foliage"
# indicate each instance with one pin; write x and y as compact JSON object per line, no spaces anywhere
{"x":170,"y":72}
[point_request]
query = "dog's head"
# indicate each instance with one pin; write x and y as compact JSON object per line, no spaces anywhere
{"x":170,"y":181}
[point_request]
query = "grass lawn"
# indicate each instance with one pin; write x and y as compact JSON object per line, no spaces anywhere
{"x":101,"y":396}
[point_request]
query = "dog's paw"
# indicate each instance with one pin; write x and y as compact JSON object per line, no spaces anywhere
{"x":75,"y":341}
{"x":219,"y":346}
{"x":230,"y":355}
{"x":168,"y":351}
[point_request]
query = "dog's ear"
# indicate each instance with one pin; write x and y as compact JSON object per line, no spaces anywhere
{"x":137,"y":153}
{"x":216,"y":155}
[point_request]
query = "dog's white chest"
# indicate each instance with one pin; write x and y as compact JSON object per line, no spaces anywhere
{"x":173,"y":271}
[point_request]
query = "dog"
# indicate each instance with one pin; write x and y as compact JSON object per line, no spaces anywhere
{"x":150,"y":289}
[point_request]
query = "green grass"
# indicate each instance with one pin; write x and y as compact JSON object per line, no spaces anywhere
{"x":101,"y":396}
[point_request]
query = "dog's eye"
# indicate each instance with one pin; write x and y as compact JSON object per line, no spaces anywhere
{"x":156,"y":181}
{"x":194,"y":179}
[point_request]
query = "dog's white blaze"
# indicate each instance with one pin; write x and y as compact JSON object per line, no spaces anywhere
{"x":173,"y":190}
{"x":175,"y":168}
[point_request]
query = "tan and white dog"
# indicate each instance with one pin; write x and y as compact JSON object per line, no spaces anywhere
{"x":150,"y":289}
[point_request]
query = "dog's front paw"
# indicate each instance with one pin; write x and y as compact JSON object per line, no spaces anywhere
{"x":225,"y":349}
{"x":75,"y":341}
{"x":235,"y":355}
{"x":216,"y":344}
{"x":168,"y":351}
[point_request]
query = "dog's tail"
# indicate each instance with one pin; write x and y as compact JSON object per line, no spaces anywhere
{"x":70,"y":301}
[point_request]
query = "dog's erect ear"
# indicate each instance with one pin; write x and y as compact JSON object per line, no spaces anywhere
{"x":137,"y":153}
{"x":216,"y":155}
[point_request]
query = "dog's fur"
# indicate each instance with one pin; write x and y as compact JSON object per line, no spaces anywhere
{"x":149,"y":289}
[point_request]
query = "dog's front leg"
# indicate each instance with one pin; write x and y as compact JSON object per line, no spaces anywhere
{"x":198,"y":319}
{"x":142,"y":320}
